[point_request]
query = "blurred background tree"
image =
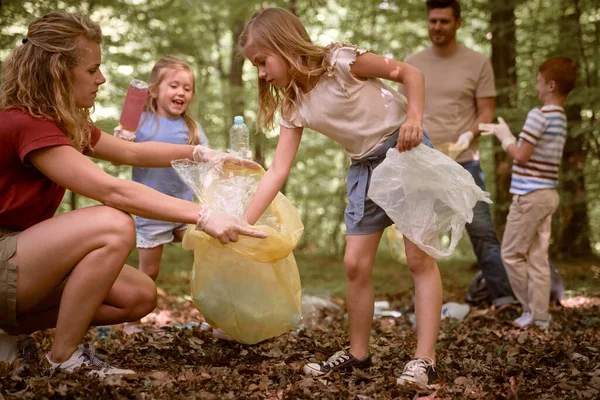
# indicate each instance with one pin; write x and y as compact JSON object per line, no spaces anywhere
{"x":517,"y":35}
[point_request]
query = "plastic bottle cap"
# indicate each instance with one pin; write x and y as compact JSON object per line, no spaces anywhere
{"x":238,"y":119}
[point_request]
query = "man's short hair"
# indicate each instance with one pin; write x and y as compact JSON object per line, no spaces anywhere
{"x":561,"y":70}
{"x":454,"y":4}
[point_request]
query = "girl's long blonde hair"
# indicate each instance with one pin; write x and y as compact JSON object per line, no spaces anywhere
{"x":280,"y":32}
{"x":37,"y":75}
{"x":159,"y":71}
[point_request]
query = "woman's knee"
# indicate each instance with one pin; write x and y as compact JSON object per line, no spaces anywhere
{"x":141,"y":299}
{"x":118,"y":227}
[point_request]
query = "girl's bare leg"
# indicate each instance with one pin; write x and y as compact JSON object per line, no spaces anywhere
{"x":428,"y":298}
{"x":358,"y":261}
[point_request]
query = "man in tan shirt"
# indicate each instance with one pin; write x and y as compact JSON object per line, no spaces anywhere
{"x":459,"y":95}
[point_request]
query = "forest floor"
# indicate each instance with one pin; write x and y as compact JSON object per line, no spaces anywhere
{"x":480,"y":357}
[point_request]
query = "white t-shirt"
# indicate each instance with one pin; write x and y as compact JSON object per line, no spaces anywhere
{"x":359,"y":114}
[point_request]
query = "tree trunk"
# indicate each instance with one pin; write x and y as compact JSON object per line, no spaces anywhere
{"x":73,"y":200}
{"x":571,"y":227}
{"x":504,"y":64}
{"x":236,"y":85}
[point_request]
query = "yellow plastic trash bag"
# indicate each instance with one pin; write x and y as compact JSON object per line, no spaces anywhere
{"x":250,"y":289}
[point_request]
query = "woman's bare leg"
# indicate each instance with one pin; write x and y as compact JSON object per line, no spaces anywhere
{"x":84,"y":252}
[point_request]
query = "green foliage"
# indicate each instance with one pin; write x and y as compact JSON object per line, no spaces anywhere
{"x":138,"y":33}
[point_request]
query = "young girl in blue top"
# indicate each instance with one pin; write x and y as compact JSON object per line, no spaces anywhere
{"x":336,"y":91}
{"x":165,"y":119}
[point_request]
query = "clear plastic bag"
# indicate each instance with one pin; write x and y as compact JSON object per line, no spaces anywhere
{"x":251,"y":288}
{"x":429,"y":197}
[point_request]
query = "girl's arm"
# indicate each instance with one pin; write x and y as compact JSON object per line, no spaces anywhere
{"x":147,"y":154}
{"x":274,"y":178}
{"x":369,"y":65}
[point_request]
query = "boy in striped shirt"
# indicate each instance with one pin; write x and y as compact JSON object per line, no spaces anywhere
{"x":537,"y":155}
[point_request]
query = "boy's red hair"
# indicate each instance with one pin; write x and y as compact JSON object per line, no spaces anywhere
{"x":561,"y":70}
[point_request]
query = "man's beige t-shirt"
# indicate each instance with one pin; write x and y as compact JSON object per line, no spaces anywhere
{"x":452,"y":86}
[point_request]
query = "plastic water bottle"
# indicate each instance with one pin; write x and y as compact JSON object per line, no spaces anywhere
{"x":239,"y":138}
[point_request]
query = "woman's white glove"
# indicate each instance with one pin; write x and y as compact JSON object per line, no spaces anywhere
{"x":204,"y":154}
{"x":124,"y":134}
{"x":224,"y":227}
{"x":501,"y":130}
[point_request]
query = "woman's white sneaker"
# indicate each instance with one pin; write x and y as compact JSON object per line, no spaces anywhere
{"x":85,"y":356}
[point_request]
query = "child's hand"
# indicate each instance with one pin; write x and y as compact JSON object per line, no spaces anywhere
{"x":410,"y":135}
{"x":124,"y":134}
{"x":204,"y":154}
{"x":223,"y":227}
{"x":501,"y":130}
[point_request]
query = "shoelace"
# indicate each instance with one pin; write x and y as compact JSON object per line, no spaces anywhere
{"x":337,"y":361}
{"x":420,"y":364}
{"x":88,"y":352}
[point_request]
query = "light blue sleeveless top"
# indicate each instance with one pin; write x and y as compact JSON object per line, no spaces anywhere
{"x":175,"y":131}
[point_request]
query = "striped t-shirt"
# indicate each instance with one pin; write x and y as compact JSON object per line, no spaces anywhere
{"x":546,"y":129}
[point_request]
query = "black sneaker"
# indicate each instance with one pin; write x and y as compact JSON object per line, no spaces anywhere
{"x":420,"y":372}
{"x":340,"y":361}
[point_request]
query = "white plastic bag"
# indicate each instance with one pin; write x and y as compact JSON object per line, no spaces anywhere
{"x":429,"y":197}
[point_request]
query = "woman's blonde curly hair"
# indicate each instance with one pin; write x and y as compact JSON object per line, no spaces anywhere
{"x":37,"y":75}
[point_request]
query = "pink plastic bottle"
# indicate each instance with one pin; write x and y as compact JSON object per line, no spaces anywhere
{"x":134,"y":105}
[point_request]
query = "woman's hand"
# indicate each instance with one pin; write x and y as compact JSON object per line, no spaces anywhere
{"x":124,"y":134}
{"x":410,"y":135}
{"x":204,"y":154}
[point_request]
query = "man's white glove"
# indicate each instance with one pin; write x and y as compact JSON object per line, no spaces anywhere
{"x":223,"y":227}
{"x":465,"y":139}
{"x":124,"y":134}
{"x":501,"y":130}
{"x":462,"y":143}
{"x":204,"y":154}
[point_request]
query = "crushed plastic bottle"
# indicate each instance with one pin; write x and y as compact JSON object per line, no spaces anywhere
{"x":104,"y":332}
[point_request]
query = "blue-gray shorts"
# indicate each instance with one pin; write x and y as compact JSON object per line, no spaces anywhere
{"x":362,"y":216}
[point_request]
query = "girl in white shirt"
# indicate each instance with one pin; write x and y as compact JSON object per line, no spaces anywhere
{"x":335,"y":90}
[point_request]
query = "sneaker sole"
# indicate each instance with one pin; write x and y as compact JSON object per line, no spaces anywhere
{"x":406,"y":382}
{"x":313,"y":372}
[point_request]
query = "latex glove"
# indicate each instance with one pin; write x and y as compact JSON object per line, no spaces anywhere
{"x":465,"y":139}
{"x":501,"y":130}
{"x":462,"y":143}
{"x":124,"y":134}
{"x":223,"y":227}
{"x":204,"y":154}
